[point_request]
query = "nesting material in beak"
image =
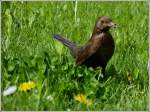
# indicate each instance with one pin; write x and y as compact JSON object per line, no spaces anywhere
{"x":111,"y":24}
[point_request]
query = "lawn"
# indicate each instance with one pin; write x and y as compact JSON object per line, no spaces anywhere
{"x":29,"y":53}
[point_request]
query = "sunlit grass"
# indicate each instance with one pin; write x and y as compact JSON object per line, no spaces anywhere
{"x":30,"y":53}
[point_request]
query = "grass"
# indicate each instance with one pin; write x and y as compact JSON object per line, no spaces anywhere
{"x":30,"y":53}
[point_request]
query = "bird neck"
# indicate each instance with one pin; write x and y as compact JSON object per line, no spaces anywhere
{"x":95,"y":32}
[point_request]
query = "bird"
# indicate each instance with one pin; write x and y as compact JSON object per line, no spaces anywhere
{"x":99,"y":48}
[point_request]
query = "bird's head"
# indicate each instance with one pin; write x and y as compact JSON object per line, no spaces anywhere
{"x":103,"y":24}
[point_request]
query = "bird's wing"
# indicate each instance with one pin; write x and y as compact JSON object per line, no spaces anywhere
{"x":89,"y":50}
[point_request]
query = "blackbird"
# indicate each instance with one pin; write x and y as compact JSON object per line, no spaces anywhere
{"x":98,"y":50}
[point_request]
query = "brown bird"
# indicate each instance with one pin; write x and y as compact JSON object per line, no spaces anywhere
{"x":98,"y":50}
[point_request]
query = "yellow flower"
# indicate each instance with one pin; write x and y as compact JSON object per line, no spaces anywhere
{"x":82,"y":99}
{"x":27,"y":86}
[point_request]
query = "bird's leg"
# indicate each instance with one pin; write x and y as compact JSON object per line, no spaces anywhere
{"x":103,"y":72}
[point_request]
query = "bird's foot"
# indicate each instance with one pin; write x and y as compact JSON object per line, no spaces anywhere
{"x":100,"y":76}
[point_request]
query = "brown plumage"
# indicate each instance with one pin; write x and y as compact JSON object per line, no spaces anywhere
{"x":98,"y":50}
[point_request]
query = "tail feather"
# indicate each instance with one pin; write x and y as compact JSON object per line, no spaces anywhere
{"x":66,"y":42}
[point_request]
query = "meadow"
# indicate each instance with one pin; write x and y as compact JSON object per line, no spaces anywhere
{"x":29,"y":53}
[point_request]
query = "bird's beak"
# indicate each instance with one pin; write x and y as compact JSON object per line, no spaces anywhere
{"x":111,"y":24}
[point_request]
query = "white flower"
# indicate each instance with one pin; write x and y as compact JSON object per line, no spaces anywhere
{"x":9,"y":90}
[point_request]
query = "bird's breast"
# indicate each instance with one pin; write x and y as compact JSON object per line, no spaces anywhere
{"x":105,"y":44}
{"x":102,"y":48}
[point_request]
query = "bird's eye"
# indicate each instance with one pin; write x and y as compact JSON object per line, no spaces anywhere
{"x":102,"y":21}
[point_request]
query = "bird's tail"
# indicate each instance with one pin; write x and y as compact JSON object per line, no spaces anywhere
{"x":66,"y":42}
